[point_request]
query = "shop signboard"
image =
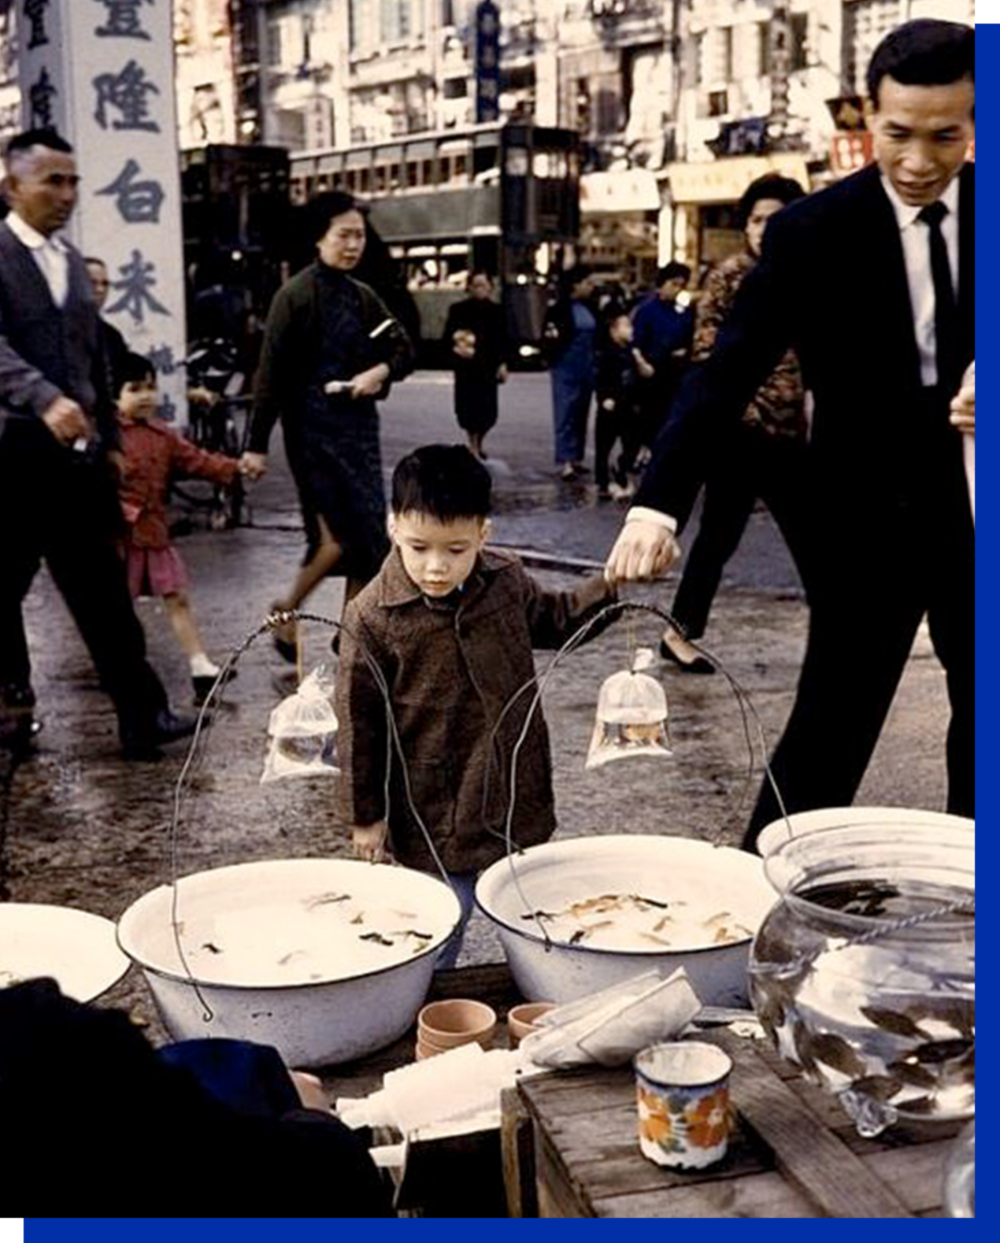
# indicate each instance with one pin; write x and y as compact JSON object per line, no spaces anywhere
{"x":101,"y":72}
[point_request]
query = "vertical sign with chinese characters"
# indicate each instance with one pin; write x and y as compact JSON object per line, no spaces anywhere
{"x":487,"y":62}
{"x":102,"y":73}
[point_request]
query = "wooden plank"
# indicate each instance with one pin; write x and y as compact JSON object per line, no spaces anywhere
{"x":915,"y":1173}
{"x":559,"y":1194}
{"x":760,"y":1195}
{"x":817,"y":1162}
{"x":517,"y":1153}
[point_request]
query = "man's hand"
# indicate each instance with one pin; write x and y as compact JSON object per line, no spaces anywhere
{"x":963,"y":407}
{"x":369,"y":842}
{"x":502,"y":374}
{"x":642,"y":550}
{"x":116,"y":463}
{"x":370,"y":383}
{"x":253,"y":466}
{"x":66,"y":421}
{"x":310,"y":1090}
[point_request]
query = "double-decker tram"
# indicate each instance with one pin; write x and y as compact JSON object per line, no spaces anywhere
{"x":503,"y":196}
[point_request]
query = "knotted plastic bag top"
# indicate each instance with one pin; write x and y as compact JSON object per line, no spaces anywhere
{"x":631,"y":715}
{"x":302,"y":732}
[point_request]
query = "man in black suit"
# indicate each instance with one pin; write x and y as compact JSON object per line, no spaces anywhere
{"x":871,"y":282}
{"x":58,"y":499}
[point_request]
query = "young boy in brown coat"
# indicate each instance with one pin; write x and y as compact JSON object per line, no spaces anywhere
{"x":451,"y":628}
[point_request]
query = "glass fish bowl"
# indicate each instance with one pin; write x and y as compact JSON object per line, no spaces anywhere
{"x":863,"y":972}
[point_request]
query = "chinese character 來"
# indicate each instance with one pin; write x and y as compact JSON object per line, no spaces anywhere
{"x":138,"y":202}
{"x":126,"y":92}
{"x":137,"y":280}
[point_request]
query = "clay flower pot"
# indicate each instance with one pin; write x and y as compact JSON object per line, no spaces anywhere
{"x":447,"y":1024}
{"x":524,"y":1018}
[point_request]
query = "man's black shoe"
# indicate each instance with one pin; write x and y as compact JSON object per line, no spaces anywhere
{"x":168,"y":727}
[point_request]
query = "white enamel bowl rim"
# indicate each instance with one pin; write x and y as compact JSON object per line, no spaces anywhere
{"x":773,"y":835}
{"x":87,"y":959}
{"x":162,"y":892}
{"x":607,"y":845}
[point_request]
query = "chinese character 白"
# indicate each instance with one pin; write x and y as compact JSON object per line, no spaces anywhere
{"x":138,"y":202}
{"x":127,"y":92}
{"x":137,"y":279}
{"x":34,"y":11}
{"x":40,"y":97}
{"x":123,"y":20}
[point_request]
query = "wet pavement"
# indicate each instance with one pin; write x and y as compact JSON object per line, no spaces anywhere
{"x":80,"y":827}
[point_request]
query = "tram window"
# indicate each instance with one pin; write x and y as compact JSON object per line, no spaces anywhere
{"x":426,"y":172}
{"x":323,"y":182}
{"x":461,"y":167}
{"x":517,"y":162}
{"x":484,"y":159}
{"x":412,"y":173}
{"x":379,"y":179}
{"x":394,"y":178}
{"x":444,"y":169}
{"x":366,"y":181}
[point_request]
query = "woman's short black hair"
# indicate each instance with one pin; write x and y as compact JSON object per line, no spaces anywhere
{"x":672,"y":271}
{"x":327,"y":206}
{"x":443,"y":482}
{"x":771,"y":186}
{"x":133,"y":369}
{"x":924,"y":52}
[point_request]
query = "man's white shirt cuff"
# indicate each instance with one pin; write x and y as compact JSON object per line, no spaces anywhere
{"x":639,"y":513}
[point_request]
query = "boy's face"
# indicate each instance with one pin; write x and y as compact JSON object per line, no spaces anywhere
{"x":138,"y":399}
{"x":438,"y":556}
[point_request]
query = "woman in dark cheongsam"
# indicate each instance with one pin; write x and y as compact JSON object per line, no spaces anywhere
{"x":331,"y":349}
{"x":477,"y":340}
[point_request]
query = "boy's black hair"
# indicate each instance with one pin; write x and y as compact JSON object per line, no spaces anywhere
{"x":443,"y":482}
{"x":672,"y":271}
{"x":924,"y":52}
{"x":771,"y":186}
{"x":43,"y":137}
{"x":133,"y":369}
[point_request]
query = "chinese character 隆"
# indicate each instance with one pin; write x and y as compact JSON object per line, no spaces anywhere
{"x":125,"y":91}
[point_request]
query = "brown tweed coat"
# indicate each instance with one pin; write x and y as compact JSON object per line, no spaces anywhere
{"x":451,"y":668}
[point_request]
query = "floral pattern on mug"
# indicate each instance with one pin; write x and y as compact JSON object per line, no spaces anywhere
{"x":655,"y":1124}
{"x":708,"y":1120}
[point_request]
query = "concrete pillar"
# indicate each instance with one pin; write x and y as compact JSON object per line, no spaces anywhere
{"x":101,"y":72}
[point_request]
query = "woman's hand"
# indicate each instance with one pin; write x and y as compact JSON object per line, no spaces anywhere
{"x":963,"y":407}
{"x":371,"y":382}
{"x":253,"y":466}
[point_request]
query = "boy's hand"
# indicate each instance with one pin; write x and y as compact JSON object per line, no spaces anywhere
{"x":963,"y":407}
{"x":369,"y":842}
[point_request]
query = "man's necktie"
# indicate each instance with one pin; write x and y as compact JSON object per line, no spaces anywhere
{"x":945,"y":309}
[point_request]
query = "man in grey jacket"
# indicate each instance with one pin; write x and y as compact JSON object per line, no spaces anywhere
{"x":58,"y":439}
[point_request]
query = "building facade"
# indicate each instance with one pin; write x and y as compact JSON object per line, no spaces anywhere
{"x":680,"y":103}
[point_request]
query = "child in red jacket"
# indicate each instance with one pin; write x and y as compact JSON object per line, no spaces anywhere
{"x":153,"y":455}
